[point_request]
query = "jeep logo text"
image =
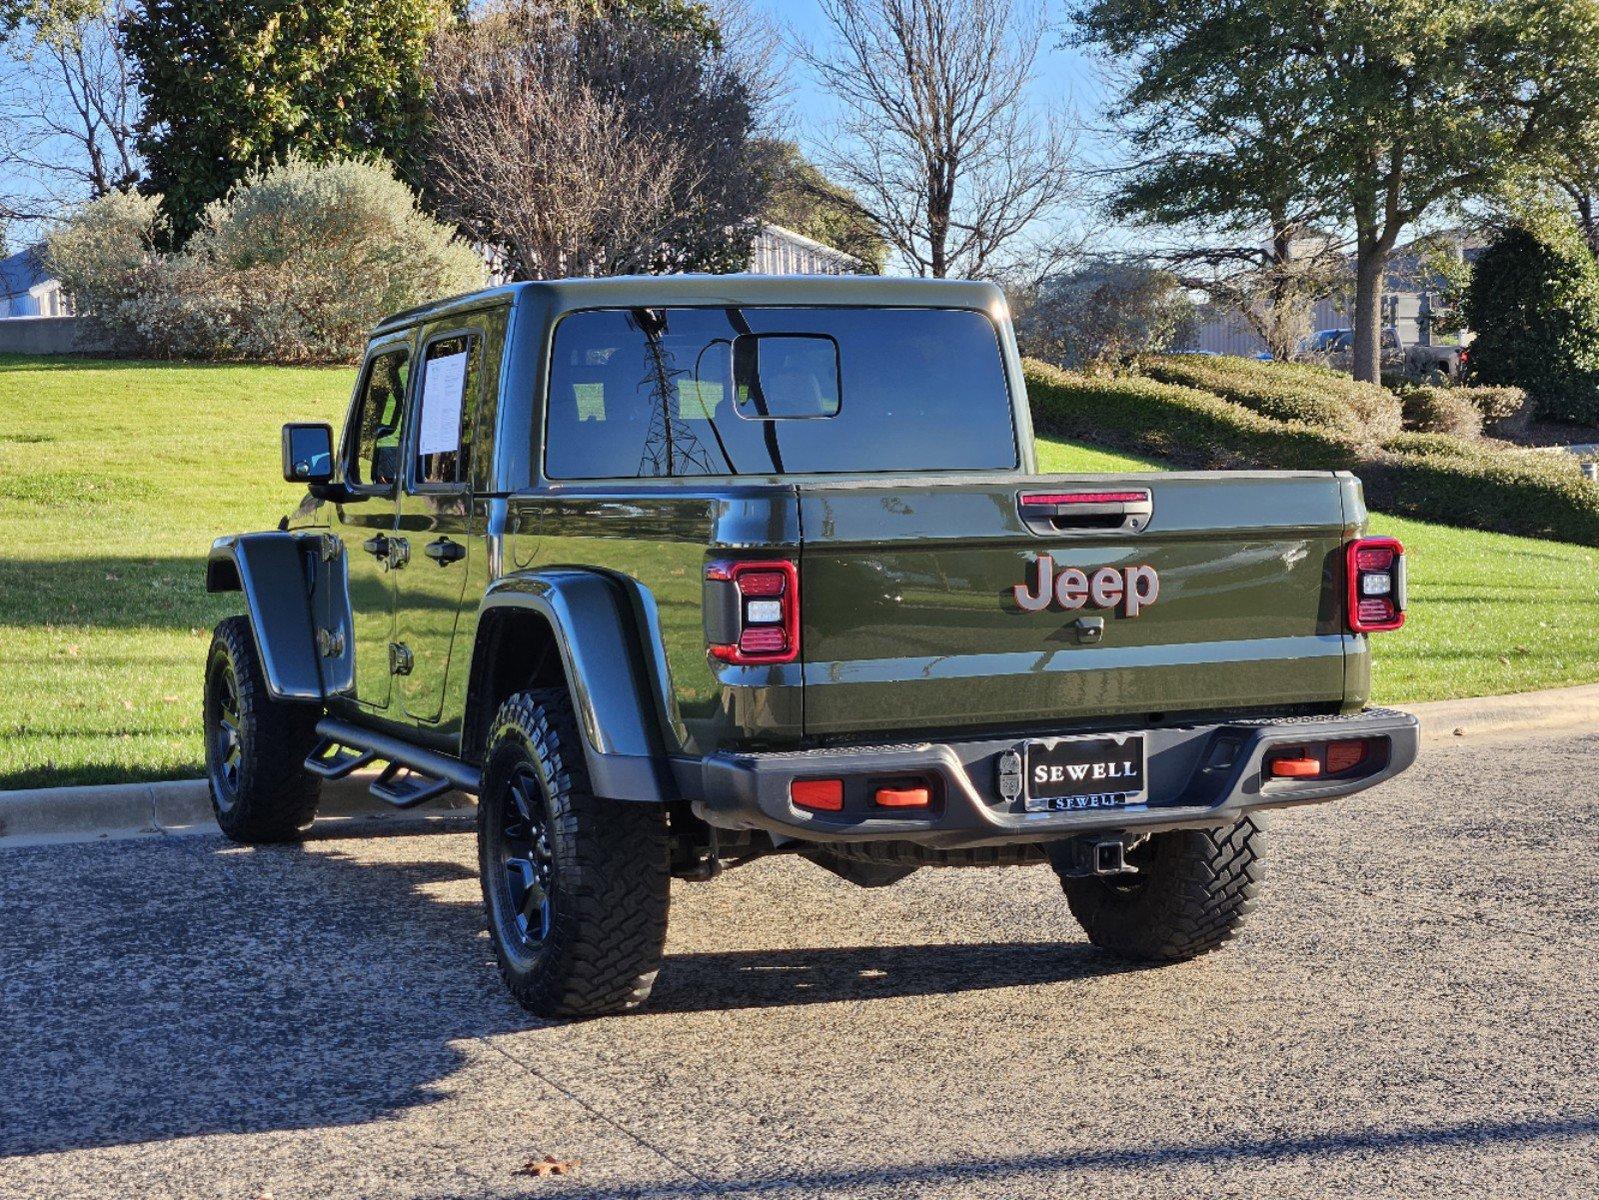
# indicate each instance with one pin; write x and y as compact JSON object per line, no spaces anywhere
{"x":1131,"y":589}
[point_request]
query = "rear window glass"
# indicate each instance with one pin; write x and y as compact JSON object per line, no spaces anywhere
{"x":755,"y":391}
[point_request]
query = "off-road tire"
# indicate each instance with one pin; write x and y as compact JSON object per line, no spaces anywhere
{"x":1192,"y":892}
{"x":609,"y":869}
{"x":262,"y":792}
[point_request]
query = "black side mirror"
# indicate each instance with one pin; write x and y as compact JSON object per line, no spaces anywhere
{"x":307,"y":452}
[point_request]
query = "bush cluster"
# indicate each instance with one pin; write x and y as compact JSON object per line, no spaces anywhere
{"x":1287,"y":392}
{"x":1102,"y":315}
{"x":1430,"y":409}
{"x":1435,"y":476}
{"x":296,"y":265}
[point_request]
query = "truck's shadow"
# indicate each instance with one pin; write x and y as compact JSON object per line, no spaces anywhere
{"x":768,"y":978}
{"x":158,"y":989}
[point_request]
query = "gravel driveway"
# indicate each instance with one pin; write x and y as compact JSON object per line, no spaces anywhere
{"x":1413,"y":1012}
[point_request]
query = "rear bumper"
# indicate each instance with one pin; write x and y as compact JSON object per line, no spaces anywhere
{"x":1199,"y":775}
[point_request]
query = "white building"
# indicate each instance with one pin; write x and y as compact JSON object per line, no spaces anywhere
{"x":28,"y":290}
{"x":779,"y":251}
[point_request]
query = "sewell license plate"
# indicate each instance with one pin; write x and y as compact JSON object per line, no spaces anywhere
{"x":1107,"y":771}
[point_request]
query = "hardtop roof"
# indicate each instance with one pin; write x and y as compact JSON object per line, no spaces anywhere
{"x":653,"y":291}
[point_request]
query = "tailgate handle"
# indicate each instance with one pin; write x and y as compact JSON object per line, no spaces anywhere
{"x":1086,"y":512}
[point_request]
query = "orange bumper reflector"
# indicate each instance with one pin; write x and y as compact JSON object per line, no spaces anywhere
{"x":1295,"y":768}
{"x":916,"y":797}
{"x":1344,"y":756}
{"x":823,"y":795}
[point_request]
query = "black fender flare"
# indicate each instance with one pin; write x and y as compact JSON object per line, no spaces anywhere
{"x":269,"y":568}
{"x":594,"y":631}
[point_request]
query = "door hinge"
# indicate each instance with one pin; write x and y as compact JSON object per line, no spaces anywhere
{"x":330,"y":644}
{"x":400,"y":660}
{"x":331,"y":547}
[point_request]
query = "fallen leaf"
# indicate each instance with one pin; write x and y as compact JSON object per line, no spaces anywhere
{"x":549,"y":1165}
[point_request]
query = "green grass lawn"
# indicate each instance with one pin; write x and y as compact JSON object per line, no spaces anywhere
{"x":114,"y":478}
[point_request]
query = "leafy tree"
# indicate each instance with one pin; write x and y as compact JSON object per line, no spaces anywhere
{"x":231,"y":85}
{"x":45,"y":14}
{"x":1534,"y":304}
{"x":1394,"y":109}
{"x":807,"y":201}
{"x":680,"y":18}
{"x":1232,"y":194}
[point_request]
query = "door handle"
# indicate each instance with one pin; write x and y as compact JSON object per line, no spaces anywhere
{"x":377,"y":547}
{"x":444,"y":551}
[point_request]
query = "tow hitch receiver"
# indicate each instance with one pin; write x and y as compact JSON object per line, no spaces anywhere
{"x":1085,"y":856}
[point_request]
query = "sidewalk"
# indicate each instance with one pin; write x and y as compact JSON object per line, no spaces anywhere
{"x":40,"y":816}
{"x":44,"y":816}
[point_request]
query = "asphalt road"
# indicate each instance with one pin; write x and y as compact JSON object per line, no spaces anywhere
{"x":1413,"y":1012}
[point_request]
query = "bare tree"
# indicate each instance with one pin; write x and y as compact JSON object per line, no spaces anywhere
{"x":938,"y":140}
{"x":67,"y":110}
{"x":1272,"y":287}
{"x":575,"y":144}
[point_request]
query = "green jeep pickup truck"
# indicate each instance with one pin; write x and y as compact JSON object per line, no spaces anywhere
{"x":673,"y":573}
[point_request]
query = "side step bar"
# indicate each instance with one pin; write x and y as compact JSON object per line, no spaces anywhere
{"x":412,"y":775}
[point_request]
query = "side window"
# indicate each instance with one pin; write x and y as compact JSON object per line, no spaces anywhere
{"x":376,"y":458}
{"x":450,"y":375}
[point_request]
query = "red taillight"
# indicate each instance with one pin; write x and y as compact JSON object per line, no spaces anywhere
{"x":822,"y":795}
{"x":752,"y":611}
{"x":1376,"y":591}
{"x":761,"y":583}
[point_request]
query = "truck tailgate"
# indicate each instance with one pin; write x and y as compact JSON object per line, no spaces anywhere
{"x":910,"y":618}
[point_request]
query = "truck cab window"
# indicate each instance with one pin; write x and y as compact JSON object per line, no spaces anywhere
{"x":378,"y":419}
{"x":444,"y":411}
{"x":641,"y":393}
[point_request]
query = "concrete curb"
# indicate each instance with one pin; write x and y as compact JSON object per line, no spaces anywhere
{"x":1485,"y":716}
{"x":42,"y":816}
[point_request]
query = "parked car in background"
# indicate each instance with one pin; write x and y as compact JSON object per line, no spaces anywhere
{"x":1335,"y":348}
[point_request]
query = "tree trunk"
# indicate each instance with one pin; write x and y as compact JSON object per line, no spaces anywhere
{"x":1371,"y":259}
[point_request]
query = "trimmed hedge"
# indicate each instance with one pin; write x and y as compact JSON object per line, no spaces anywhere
{"x":1186,"y":425}
{"x":1286,"y":392}
{"x":1531,"y":494}
{"x":1431,"y":409}
{"x":1497,"y":405}
{"x":1442,"y":444}
{"x":1431,"y":476}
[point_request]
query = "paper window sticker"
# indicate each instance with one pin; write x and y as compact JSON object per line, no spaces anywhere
{"x":443,"y":390}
